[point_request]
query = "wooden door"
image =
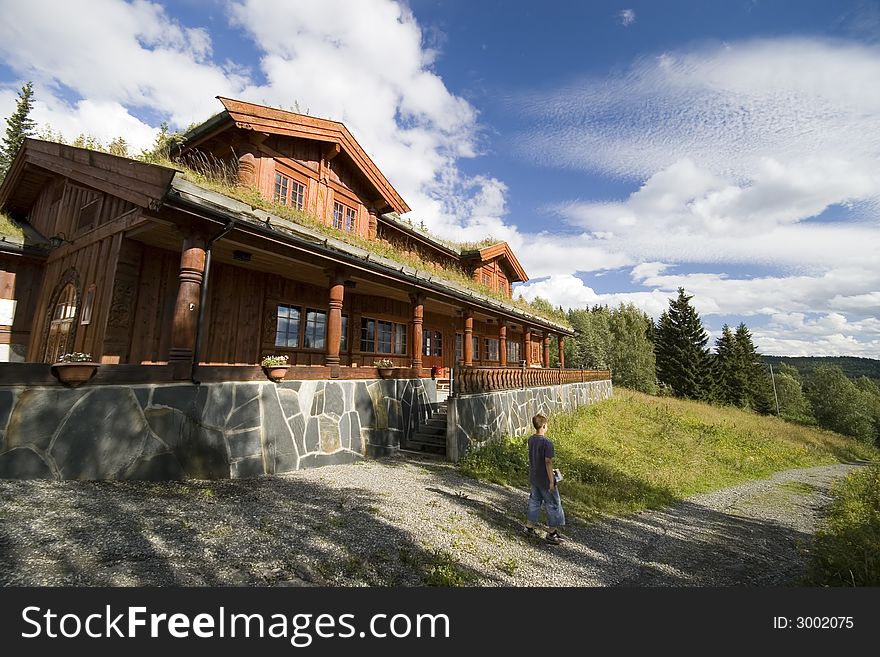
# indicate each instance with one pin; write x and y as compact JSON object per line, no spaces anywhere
{"x":432,"y":347}
{"x":62,"y":325}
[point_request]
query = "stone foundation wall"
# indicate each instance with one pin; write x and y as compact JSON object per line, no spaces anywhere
{"x":475,"y":419}
{"x":214,"y":430}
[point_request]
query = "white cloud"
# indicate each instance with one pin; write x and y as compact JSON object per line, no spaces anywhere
{"x":626,"y":17}
{"x":112,"y":54}
{"x":759,"y":152}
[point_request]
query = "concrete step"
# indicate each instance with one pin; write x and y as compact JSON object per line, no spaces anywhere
{"x":433,"y":438}
{"x":426,"y":430}
{"x":427,"y":447}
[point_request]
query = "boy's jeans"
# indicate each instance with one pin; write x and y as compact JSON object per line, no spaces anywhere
{"x":552,"y":505}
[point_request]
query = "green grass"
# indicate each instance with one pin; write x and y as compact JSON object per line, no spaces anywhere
{"x":636,"y":451}
{"x":9,"y":228}
{"x":847,"y":547}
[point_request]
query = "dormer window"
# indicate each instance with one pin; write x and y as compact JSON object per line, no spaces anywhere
{"x":289,"y":191}
{"x":344,"y":217}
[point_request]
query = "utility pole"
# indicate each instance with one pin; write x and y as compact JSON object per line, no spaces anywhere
{"x":773,"y":380}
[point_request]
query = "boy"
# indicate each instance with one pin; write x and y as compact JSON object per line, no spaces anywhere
{"x":545,"y":492}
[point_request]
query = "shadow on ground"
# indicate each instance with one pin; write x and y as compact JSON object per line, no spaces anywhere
{"x":293,"y":530}
{"x":263,"y":531}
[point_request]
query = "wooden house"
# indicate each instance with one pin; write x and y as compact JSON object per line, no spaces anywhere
{"x":137,"y":263}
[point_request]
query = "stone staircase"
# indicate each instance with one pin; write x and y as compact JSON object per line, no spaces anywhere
{"x":431,"y":436}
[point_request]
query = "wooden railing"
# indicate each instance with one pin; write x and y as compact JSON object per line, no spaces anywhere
{"x":474,"y":380}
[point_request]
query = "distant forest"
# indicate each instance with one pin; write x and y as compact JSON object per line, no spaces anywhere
{"x":852,"y":366}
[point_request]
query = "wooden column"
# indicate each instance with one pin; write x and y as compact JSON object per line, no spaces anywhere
{"x":247,"y":170}
{"x":418,"y":316}
{"x":546,"y":349}
{"x":373,"y":224}
{"x":334,"y":317}
{"x":527,"y":345}
{"x":468,"y":345}
{"x":186,"y":308}
{"x":561,"y":343}
{"x":502,"y":344}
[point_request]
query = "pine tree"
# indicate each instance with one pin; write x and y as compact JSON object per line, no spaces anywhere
{"x":682,"y":358}
{"x":754,"y":387}
{"x":18,"y":127}
{"x":728,"y":387}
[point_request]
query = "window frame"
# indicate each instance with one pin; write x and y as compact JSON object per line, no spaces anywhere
{"x":306,"y":328}
{"x":397,"y":335}
{"x":288,"y":333}
{"x":292,"y":192}
{"x":487,"y":343}
{"x":346,"y":215}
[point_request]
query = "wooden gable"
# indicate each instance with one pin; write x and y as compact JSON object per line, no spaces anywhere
{"x":275,"y":122}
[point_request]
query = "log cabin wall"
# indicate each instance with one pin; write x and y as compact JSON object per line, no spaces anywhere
{"x":91,"y":270}
{"x":493,"y":275}
{"x":327,"y":176}
{"x":157,"y":284}
{"x":64,"y":208}
{"x":20,"y":281}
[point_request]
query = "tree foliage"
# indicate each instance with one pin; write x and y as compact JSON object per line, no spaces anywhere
{"x":19,"y":126}
{"x":840,"y":405}
{"x":682,"y":359}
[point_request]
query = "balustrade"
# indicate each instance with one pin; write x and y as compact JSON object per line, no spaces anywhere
{"x":474,"y":380}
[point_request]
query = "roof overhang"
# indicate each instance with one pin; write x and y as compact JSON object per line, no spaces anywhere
{"x":213,"y":205}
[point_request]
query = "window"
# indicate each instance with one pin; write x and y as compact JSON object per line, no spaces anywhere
{"x":400,"y":339}
{"x":476,"y":343}
{"x":514,"y":355}
{"x":88,"y":214}
{"x":316,"y":329}
{"x":343,"y":337}
{"x":486,"y":279}
{"x":383,"y":344}
{"x":459,"y":348}
{"x":289,"y":192}
{"x":491,"y":350}
{"x":343,"y":217}
{"x":88,"y":302}
{"x":382,"y":337}
{"x":432,"y":343}
{"x":287,"y":328}
{"x":368,"y":335}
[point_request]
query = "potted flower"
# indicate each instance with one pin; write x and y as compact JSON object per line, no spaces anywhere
{"x":385,"y":366}
{"x":74,"y":368}
{"x":275,"y":367}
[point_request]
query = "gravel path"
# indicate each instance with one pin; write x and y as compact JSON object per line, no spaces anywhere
{"x":395,"y":521}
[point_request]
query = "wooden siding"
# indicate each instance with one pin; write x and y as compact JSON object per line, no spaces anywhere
{"x":93,"y":264}
{"x":57,"y":209}
{"x":20,"y":280}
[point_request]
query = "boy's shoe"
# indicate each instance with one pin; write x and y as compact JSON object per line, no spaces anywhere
{"x":530,"y":532}
{"x":554,"y":538}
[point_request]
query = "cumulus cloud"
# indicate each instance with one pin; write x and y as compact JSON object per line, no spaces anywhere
{"x":626,"y":17}
{"x":89,"y":59}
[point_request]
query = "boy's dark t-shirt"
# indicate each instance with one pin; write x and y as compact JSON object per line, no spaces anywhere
{"x":540,"y":448}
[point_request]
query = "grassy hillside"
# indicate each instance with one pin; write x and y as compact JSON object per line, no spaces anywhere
{"x":636,"y":451}
{"x":852,"y":366}
{"x":847,"y":548}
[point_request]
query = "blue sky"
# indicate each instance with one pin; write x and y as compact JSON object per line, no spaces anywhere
{"x":622,"y":148}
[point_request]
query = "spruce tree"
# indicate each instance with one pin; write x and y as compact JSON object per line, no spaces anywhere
{"x":682,"y":358}
{"x":728,"y":387}
{"x":18,"y":127}
{"x":754,"y":387}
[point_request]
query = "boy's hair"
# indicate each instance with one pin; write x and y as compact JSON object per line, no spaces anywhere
{"x":539,"y":421}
